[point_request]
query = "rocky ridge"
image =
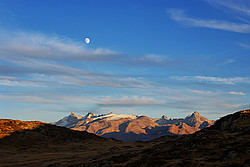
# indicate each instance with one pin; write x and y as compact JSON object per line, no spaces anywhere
{"x":134,"y":127}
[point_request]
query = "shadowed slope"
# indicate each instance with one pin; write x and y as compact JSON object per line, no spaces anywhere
{"x":33,"y":143}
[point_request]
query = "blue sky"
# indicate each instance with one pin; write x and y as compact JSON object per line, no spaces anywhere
{"x":145,"y":57}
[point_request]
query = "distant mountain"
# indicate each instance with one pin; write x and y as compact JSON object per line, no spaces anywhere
{"x":133,"y":127}
{"x":226,"y":143}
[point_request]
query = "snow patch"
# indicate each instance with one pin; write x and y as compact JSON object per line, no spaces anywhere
{"x":117,"y":117}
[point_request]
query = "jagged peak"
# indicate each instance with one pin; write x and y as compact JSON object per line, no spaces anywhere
{"x":164,"y":117}
{"x":195,"y":113}
{"x":73,"y":114}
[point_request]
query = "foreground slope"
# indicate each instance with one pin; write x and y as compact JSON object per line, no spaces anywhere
{"x":133,"y":127}
{"x":34,"y":143}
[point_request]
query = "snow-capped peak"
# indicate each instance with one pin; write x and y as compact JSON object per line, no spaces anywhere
{"x":109,"y":116}
{"x":89,"y":115}
{"x":104,"y":116}
{"x":68,"y":120}
{"x":72,"y":119}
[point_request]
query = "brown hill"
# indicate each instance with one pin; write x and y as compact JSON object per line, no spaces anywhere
{"x":8,"y":126}
{"x":33,"y":143}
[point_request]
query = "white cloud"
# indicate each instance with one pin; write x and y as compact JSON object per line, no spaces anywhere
{"x":223,"y":80}
{"x":180,"y":17}
{"x":241,"y":6}
{"x":229,"y":61}
{"x":236,"y":93}
{"x":12,"y":81}
{"x":218,"y":80}
{"x":200,"y":92}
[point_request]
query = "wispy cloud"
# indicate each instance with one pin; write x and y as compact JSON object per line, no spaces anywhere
{"x":13,"y":81}
{"x":199,"y":92}
{"x":241,"y":6}
{"x":236,"y":93}
{"x":229,"y":61}
{"x":180,"y":16}
{"x":218,"y":80}
{"x":247,"y":46}
{"x":39,"y":46}
{"x":54,"y":73}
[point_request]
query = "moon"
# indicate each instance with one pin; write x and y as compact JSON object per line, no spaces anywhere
{"x":87,"y":40}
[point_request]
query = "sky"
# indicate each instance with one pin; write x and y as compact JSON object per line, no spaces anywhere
{"x":145,"y":57}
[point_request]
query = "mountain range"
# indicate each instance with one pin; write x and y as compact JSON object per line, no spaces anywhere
{"x":133,"y":127}
{"x":34,"y":143}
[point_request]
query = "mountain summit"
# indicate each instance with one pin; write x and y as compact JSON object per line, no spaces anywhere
{"x":68,"y":121}
{"x":196,"y":120}
{"x":132,"y":127}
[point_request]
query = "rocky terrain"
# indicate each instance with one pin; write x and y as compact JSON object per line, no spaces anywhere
{"x":133,"y":127}
{"x":226,"y":143}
